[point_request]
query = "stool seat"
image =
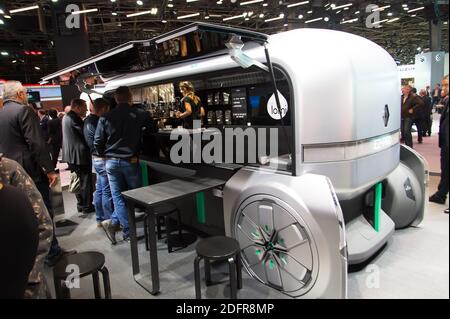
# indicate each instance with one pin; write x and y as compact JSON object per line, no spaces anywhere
{"x":88,"y":263}
{"x":218,"y":247}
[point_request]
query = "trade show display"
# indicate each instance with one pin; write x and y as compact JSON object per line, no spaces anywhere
{"x":341,"y":182}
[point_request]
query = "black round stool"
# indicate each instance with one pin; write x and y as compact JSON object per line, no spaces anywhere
{"x":162,"y":214}
{"x":219,"y":248}
{"x":77,"y":266}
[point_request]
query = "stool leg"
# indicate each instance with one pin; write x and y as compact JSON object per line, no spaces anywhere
{"x":233,"y":283}
{"x":146,"y":233}
{"x":96,"y":285}
{"x":208,"y":272}
{"x":180,"y":231}
{"x":168,"y":232}
{"x":106,"y":282}
{"x":239,"y":271}
{"x":158,"y":227}
{"x":198,"y":291}
{"x":58,"y":288}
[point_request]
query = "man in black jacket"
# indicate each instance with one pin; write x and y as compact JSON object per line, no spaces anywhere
{"x":21,"y":140}
{"x":440,"y":197}
{"x":409,"y":104}
{"x":428,"y":114}
{"x":55,"y":135}
{"x":76,"y":153}
{"x":118,"y":139}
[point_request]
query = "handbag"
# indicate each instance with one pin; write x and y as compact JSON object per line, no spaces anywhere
{"x":74,"y":185}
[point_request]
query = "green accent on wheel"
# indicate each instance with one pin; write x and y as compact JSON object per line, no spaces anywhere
{"x":281,"y":241}
{"x":144,"y":173}
{"x":271,"y":264}
{"x":201,"y":211}
{"x":255,"y":234}
{"x":283,"y":259}
{"x":377,"y":208}
{"x":258,"y":252}
{"x":267,"y":228}
{"x":270,"y":245}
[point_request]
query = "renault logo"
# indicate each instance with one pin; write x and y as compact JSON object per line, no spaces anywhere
{"x":386,"y":115}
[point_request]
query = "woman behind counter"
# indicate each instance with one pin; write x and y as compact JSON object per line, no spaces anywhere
{"x":191,"y":106}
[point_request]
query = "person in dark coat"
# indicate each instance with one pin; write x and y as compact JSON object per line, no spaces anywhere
{"x":409,"y":104}
{"x":440,"y":197}
{"x":21,"y":140}
{"x":20,"y":227}
{"x":77,"y":154}
{"x":419,"y":116}
{"x":428,"y":114}
{"x":54,"y":135}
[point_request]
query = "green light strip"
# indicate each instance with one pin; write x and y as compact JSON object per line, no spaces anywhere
{"x":377,"y":208}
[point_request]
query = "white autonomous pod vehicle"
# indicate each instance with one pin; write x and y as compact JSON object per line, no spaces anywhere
{"x":341,"y":182}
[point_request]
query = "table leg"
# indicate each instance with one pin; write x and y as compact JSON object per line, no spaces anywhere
{"x":133,"y":238}
{"x":153,"y":251}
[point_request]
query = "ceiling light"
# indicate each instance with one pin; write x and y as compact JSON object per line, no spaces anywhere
{"x":357,"y":12}
{"x":188,"y":16}
{"x":297,"y":4}
{"x":281,"y":16}
{"x":152,"y":11}
{"x":170,"y":5}
{"x":85,"y":11}
{"x":234,"y":17}
{"x":250,"y":2}
{"x":1,"y":22}
{"x":114,"y":13}
{"x":390,"y":14}
{"x":4,"y":53}
{"x":310,"y":11}
{"x":37,"y":68}
{"x":139,"y":2}
{"x":265,"y":4}
{"x":2,"y":12}
{"x":300,"y":16}
{"x":327,"y":19}
{"x":24,"y":9}
{"x":14,"y":61}
{"x":416,"y":9}
{"x":342,"y":6}
{"x":113,"y":0}
{"x":7,"y":16}
{"x":381,"y":8}
{"x":349,"y":21}
{"x":314,"y":20}
{"x":393,"y":20}
{"x":261,"y":15}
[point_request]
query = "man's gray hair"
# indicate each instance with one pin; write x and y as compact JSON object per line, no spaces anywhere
{"x":10,"y":90}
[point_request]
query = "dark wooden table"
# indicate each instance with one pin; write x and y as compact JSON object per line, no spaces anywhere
{"x":149,"y":197}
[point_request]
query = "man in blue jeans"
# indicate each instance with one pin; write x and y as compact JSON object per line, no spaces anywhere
{"x":118,"y":139}
{"x":103,"y":201}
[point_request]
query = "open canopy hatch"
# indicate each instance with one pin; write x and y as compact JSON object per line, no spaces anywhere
{"x":191,"y":42}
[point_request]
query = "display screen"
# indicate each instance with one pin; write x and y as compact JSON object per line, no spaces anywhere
{"x":261,"y":100}
{"x":239,"y":105}
{"x":33,"y":96}
{"x":255,"y":102}
{"x":226,"y":98}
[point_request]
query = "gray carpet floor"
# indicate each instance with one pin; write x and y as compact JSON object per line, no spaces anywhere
{"x":414,"y":264}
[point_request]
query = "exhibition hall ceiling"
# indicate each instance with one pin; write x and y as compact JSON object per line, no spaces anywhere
{"x":27,"y":47}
